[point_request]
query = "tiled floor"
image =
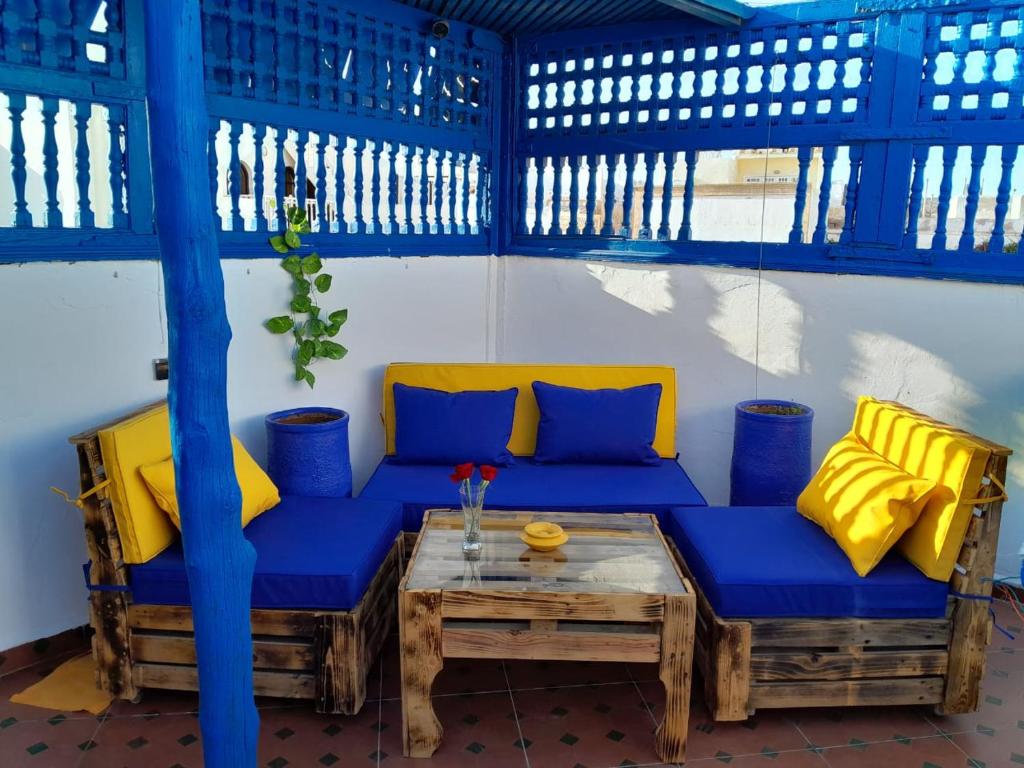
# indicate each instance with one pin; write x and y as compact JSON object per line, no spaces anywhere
{"x":534,"y":714}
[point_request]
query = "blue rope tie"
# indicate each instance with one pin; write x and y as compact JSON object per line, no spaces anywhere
{"x":102,"y":587}
{"x":991,"y":611}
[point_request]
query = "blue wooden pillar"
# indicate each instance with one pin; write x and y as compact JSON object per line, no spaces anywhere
{"x":219,"y":561}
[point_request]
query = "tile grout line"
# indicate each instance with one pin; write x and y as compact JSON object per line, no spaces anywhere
{"x":380,"y":705}
{"x":92,"y":738}
{"x":515,"y":713}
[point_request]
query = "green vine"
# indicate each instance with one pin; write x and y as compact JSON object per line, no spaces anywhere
{"x":312,"y":334}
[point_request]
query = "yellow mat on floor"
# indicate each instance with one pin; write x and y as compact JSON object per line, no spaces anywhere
{"x":69,"y":688}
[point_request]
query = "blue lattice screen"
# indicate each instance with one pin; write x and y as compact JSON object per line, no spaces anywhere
{"x":817,"y":137}
{"x":381,"y":131}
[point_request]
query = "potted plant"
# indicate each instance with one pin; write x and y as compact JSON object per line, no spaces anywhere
{"x":307,"y":448}
{"x":771,"y":453}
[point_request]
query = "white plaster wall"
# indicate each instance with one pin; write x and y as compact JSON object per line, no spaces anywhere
{"x":953,"y":350}
{"x":77,"y":347}
{"x":78,"y":340}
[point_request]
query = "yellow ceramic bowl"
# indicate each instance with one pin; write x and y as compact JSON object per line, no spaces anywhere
{"x":543,"y":530}
{"x":543,"y":537}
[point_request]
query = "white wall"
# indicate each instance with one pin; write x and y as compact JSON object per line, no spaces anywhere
{"x":77,"y":345}
{"x":953,"y":350}
{"x":78,"y":342}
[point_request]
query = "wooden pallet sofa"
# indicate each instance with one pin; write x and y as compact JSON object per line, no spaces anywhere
{"x":654,"y":487}
{"x":785,"y":621}
{"x":324,"y":591}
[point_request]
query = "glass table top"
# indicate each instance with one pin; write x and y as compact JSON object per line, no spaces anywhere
{"x":606,"y":553}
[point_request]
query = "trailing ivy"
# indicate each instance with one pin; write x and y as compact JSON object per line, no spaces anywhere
{"x":310,"y":329}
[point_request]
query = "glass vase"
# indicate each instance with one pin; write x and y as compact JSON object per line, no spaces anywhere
{"x":472,"y":499}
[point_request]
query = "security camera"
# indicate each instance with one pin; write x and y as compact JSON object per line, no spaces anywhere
{"x":440,"y":29}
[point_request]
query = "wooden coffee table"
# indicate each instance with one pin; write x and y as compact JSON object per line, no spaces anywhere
{"x":612,"y":593}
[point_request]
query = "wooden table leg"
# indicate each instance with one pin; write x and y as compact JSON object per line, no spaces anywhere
{"x":419,"y":613}
{"x":676,"y":673}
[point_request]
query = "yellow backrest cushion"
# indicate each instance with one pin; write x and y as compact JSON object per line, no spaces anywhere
{"x":258,"y":491}
{"x":456,"y":377}
{"x":128,"y":445}
{"x":924,"y":448}
{"x":863,"y":502}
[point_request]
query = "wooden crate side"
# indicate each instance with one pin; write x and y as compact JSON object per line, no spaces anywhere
{"x":285,"y":685}
{"x":483,"y":604}
{"x":107,"y":608}
{"x":562,"y":644}
{"x":421,"y":659}
{"x":847,"y":693}
{"x":972,"y":622}
{"x":268,"y":654}
{"x":846,"y":665}
{"x":862,"y":633}
{"x":178,"y":618}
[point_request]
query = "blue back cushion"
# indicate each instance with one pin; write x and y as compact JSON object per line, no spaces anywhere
{"x":435,"y":427}
{"x":597,"y":426}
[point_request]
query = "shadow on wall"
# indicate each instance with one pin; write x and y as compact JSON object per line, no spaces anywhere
{"x":818,"y":339}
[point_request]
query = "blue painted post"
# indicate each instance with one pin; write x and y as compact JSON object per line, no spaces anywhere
{"x":83,"y":110}
{"x":50,"y":173}
{"x":1006,"y":159}
{"x":218,"y":560}
{"x":973,"y":195}
{"x":19,"y":171}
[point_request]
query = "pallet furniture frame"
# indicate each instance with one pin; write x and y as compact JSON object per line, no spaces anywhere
{"x":498,"y":619}
{"x":303,"y":654}
{"x":779,"y":663}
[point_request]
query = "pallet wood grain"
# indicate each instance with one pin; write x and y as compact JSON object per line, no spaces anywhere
{"x":552,"y":605}
{"x":847,"y":693}
{"x":268,"y":654}
{"x":675,"y":672}
{"x":421,"y":660}
{"x":283,"y":685}
{"x":810,"y":665}
{"x":563,"y":645}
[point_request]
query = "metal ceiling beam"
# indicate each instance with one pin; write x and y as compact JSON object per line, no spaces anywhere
{"x":728,"y":13}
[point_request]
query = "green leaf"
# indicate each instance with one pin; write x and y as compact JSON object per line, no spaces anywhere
{"x":314,"y":312}
{"x":292,"y":265}
{"x":310,"y":379}
{"x":297,"y":333}
{"x":338,"y":316}
{"x":300,"y":372}
{"x":303,"y":227}
{"x":302,"y":286}
{"x":291,"y":239}
{"x":281,"y":324}
{"x":296,"y":215}
{"x":323,"y":283}
{"x":277,"y":242}
{"x":316,"y":328}
{"x":311,"y":264}
{"x":301,"y":304}
{"x":306,"y":351}
{"x":332,"y":329}
{"x":333,"y":351}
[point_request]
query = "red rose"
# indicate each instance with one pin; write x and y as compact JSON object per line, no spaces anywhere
{"x":462,"y":472}
{"x":487,"y":472}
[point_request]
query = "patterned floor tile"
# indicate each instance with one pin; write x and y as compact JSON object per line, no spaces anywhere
{"x":766,"y":733}
{"x":533,"y":675}
{"x":993,"y":748}
{"x":837,"y":727}
{"x":479,"y":732}
{"x":19,"y":681}
{"x":930,"y":752}
{"x":145,"y":741}
{"x":602,"y":726}
{"x":57,"y":742}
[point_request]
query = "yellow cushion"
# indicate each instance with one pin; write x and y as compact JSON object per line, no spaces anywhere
{"x":450,"y":377}
{"x":144,"y":529}
{"x":950,"y":458}
{"x":258,"y":491}
{"x":863,"y":502}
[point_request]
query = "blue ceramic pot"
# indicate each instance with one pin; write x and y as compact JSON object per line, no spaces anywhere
{"x":771,"y":455}
{"x":307,"y":452}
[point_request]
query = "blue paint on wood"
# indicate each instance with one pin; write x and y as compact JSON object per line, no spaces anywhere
{"x":219,"y":561}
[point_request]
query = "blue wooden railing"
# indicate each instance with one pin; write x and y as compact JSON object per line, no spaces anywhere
{"x":887,"y":136}
{"x":381,"y":131}
{"x":614,"y":130}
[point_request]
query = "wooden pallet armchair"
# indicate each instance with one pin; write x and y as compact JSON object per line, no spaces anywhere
{"x":764,"y":663}
{"x":303,"y":654}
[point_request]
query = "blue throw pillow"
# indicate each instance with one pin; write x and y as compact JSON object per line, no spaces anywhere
{"x":597,"y":426}
{"x":435,"y":427}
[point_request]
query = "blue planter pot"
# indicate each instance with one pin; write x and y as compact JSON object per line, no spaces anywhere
{"x":307,"y":452}
{"x":771,"y":455}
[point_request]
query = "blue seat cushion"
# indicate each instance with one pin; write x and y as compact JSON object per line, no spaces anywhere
{"x":541,"y":487}
{"x":771,"y":562}
{"x":310,"y":553}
